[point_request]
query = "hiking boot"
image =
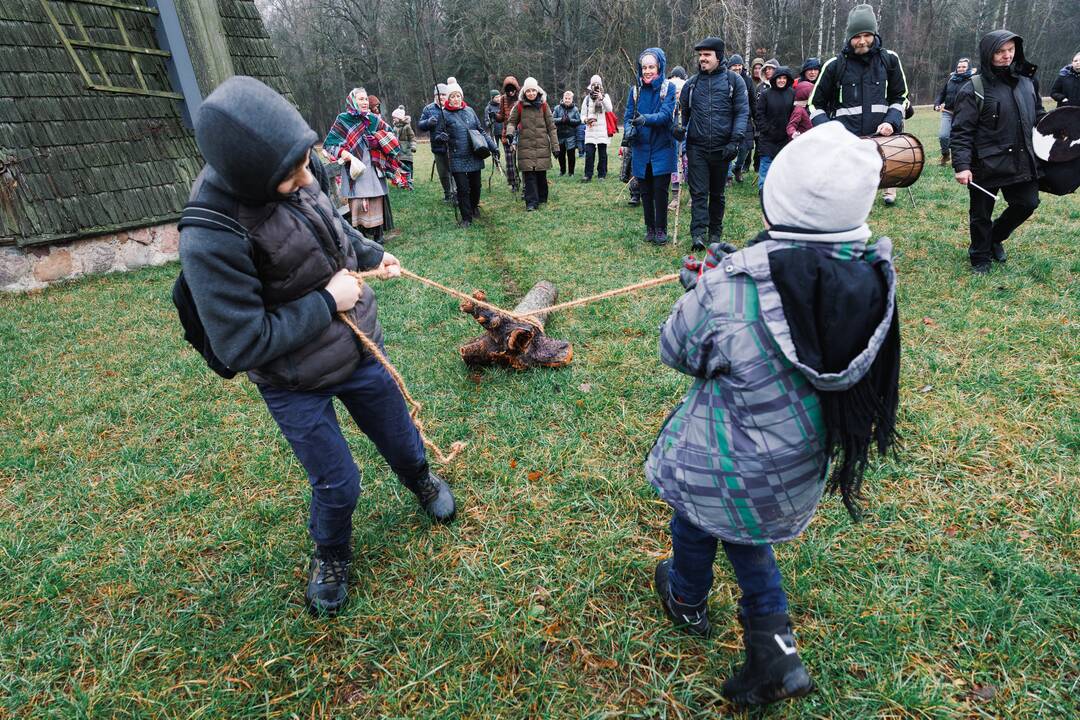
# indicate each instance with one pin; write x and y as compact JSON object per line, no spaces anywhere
{"x":982,"y":268}
{"x":772,"y":670}
{"x":465,"y":224}
{"x":945,"y":157}
{"x":738,"y":175}
{"x":530,"y":208}
{"x":698,"y":244}
{"x":434,"y":496}
{"x":650,"y":235}
{"x":586,"y":179}
{"x":660,"y":237}
{"x":694,"y":619}
{"x":328,"y":580}
{"x":634,"y":201}
{"x":998,"y":251}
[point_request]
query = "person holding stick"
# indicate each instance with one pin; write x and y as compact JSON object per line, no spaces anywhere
{"x":650,"y":109}
{"x":992,"y":148}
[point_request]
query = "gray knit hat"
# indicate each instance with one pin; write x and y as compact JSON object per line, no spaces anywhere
{"x":861,"y":19}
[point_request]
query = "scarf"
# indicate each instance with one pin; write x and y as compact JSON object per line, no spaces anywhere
{"x":353,"y":130}
{"x":833,"y":307}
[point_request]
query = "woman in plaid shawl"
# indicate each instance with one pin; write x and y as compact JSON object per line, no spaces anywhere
{"x":364,"y":143}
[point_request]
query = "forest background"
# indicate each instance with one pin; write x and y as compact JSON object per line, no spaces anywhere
{"x":398,"y":49}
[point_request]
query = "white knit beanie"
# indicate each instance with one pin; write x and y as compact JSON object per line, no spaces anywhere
{"x":453,"y":87}
{"x":824,"y":180}
{"x":399,"y":113}
{"x":595,"y":80}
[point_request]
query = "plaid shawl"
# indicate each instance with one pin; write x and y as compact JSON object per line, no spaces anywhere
{"x":353,"y":130}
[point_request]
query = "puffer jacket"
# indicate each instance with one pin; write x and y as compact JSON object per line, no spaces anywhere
{"x":994,"y":143}
{"x":567,"y":118}
{"x":743,"y":454}
{"x":714,"y":107}
{"x":537,"y":139}
{"x":458,"y":124}
{"x":946,"y":99}
{"x":1066,"y":87}
{"x":872,"y":90}
{"x":773,"y":112}
{"x":261,"y":296}
{"x":431,"y":122}
{"x":653,"y":143}
{"x":596,"y":133}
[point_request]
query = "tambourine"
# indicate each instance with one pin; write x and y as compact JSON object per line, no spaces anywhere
{"x":902,"y":159}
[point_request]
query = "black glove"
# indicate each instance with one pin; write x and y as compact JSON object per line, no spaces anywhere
{"x":638,"y":120}
{"x":441,"y":137}
{"x":731,"y":150}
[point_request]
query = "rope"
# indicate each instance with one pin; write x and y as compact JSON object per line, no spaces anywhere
{"x":414,"y":406}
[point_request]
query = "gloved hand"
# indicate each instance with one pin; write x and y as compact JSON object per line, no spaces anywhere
{"x":731,"y":150}
{"x":693,"y":268}
{"x":678,"y":132}
{"x":441,"y":137}
{"x":638,"y":120}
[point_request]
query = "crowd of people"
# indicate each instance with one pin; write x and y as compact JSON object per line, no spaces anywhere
{"x":793,"y":342}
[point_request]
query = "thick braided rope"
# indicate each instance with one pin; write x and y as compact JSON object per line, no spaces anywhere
{"x":605,"y":295}
{"x":414,"y":406}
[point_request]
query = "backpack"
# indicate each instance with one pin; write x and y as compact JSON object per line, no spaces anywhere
{"x":629,"y":134}
{"x":198,"y":215}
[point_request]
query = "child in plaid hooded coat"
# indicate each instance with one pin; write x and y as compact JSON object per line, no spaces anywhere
{"x":793,"y":344}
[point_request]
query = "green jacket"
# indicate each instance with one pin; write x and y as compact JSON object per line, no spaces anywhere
{"x":407,"y":139}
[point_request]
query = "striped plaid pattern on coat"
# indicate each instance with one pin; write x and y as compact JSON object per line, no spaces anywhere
{"x":743,"y":455}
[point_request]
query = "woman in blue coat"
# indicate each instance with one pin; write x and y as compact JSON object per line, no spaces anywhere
{"x":649,"y":110}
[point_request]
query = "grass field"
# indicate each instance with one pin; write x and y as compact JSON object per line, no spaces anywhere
{"x":152,"y":536}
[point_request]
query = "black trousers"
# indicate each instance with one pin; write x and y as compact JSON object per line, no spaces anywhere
{"x":598,"y":153}
{"x":707,"y":174}
{"x":468,"y":193}
{"x":1022,"y":198}
{"x":536,"y":187}
{"x":442,"y":167}
{"x":654,"y":198}
{"x":567,"y":158}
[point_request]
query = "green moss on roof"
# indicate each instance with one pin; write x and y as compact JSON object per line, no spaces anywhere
{"x":86,"y":162}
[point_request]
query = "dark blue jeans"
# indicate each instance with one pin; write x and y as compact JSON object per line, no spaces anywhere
{"x":754,"y":565}
{"x":309,"y":422}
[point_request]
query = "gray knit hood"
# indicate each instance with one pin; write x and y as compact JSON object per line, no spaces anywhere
{"x":251,"y":138}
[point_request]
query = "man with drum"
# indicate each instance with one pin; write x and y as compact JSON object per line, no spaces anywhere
{"x":992,"y":146}
{"x":863,"y":87}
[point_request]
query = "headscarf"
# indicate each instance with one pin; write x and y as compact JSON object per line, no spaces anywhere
{"x":353,"y":130}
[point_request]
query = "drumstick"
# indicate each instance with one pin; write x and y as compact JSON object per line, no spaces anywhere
{"x":979,"y":187}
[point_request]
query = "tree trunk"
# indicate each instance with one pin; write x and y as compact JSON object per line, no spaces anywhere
{"x":513,"y":343}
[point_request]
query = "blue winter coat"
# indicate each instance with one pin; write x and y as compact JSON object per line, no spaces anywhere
{"x":653,"y":143}
{"x":458,"y":124}
{"x":431,"y":122}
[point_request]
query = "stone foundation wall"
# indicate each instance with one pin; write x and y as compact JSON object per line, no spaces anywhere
{"x":31,"y":268}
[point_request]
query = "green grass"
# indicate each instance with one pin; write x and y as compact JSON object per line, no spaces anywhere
{"x":152,"y":537}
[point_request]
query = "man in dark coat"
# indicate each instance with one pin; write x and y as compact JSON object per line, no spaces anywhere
{"x":715,"y":110}
{"x":992,"y":146}
{"x":1066,"y":87}
{"x":945,"y":102}
{"x":863,"y":87}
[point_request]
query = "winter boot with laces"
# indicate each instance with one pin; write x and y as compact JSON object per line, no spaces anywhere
{"x":773,"y":670}
{"x":328,"y":580}
{"x":434,"y":495}
{"x":694,"y":619}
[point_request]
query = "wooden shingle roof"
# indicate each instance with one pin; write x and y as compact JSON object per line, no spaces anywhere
{"x":75,"y":161}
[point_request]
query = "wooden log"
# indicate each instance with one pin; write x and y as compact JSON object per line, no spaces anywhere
{"x":514,"y":343}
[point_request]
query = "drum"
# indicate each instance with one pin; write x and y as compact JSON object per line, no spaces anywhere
{"x":901,"y":159}
{"x":1057,"y":136}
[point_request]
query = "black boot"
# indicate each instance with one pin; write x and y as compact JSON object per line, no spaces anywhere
{"x":328,"y":580}
{"x":997,"y":251}
{"x":738,"y":174}
{"x":698,"y":243}
{"x":773,"y":670}
{"x":434,"y":496}
{"x":694,"y":619}
{"x":660,"y":237}
{"x":650,"y":234}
